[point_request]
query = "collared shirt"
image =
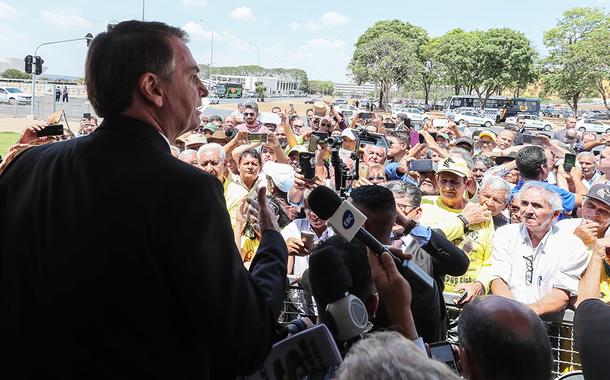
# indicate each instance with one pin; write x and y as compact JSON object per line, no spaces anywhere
{"x":293,"y":230}
{"x":589,"y":182}
{"x":261,"y":181}
{"x":258,"y":128}
{"x":233,"y":193}
{"x":166,"y":139}
{"x":532,"y":272}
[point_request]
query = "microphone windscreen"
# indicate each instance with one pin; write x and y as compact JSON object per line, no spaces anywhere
{"x":329,"y":278}
{"x":323,"y":202}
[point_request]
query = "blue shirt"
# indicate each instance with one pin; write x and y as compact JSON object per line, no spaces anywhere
{"x":392,"y":174}
{"x":567,"y":199}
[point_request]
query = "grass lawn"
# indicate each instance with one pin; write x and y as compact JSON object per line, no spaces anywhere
{"x":6,"y":140}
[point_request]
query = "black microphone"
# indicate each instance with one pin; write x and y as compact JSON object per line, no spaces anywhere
{"x":330,"y":280}
{"x":346,"y":220}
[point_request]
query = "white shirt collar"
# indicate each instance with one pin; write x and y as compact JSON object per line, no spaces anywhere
{"x":166,"y":140}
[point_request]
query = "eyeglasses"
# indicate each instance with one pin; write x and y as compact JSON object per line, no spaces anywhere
{"x":529,"y":263}
{"x":249,"y":113}
{"x":374,"y":178}
{"x":324,"y":125}
{"x":405,"y":208}
{"x":522,"y":122}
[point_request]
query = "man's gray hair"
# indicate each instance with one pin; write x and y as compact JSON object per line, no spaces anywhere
{"x":585,"y":154}
{"x":387,"y":355}
{"x":404,"y":189}
{"x":553,"y":199}
{"x":464,"y":154}
{"x":497,"y":183}
{"x":212,"y":147}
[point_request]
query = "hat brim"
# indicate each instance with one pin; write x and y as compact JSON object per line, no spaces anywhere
{"x":439,"y":171}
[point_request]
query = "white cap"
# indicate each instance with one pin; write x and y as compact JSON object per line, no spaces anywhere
{"x":282,"y":175}
{"x":349,"y":133}
{"x":270,"y":118}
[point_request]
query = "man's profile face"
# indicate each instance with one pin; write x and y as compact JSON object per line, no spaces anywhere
{"x":183,"y":93}
{"x":451,"y":186}
{"x":536,"y":212}
{"x":395,"y":147}
{"x":211,"y":163}
{"x":604,"y":161}
{"x":597,"y":211}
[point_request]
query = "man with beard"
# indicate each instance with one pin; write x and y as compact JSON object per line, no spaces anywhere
{"x":251,"y":124}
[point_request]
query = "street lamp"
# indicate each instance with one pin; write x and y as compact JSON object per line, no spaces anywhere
{"x":211,"y":52}
{"x":88,"y":37}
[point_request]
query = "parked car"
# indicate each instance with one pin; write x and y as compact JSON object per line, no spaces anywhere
{"x":415,"y":114}
{"x":12,"y":95}
{"x":531,"y":122}
{"x":346,"y":107}
{"x":597,"y":116}
{"x":310,"y":101}
{"x":339,"y":102}
{"x":592,"y":125}
{"x":473,"y":117}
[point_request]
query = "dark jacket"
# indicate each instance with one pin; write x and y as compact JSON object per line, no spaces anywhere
{"x":118,"y":261}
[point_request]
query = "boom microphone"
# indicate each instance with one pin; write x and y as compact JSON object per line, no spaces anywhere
{"x":346,"y":220}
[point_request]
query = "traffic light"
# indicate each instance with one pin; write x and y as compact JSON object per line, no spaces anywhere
{"x":39,"y":62}
{"x":28,"y":64}
{"x":89,"y":37}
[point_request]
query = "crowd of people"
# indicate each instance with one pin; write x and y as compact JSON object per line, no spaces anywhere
{"x":501,"y":219}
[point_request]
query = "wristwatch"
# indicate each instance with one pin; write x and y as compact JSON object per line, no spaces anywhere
{"x":464,"y":220}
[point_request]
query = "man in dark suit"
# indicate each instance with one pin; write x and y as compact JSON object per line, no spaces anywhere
{"x":116,"y":259}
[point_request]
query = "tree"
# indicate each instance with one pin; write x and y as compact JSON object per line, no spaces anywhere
{"x":15,"y":74}
{"x":321,"y":87}
{"x":577,"y":64}
{"x":260,"y":91}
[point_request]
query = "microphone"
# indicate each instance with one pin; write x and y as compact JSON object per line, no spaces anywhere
{"x":329,"y":278}
{"x":346,"y":220}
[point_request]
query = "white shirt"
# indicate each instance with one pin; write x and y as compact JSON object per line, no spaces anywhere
{"x":557,"y":262}
{"x":293,"y":230}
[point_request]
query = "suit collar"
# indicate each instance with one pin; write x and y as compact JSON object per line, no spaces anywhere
{"x":136,"y":128}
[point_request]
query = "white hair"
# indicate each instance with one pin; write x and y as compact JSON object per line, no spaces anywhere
{"x":553,"y":199}
{"x":387,"y":355}
{"x":497,"y":183}
{"x":585,"y":154}
{"x":186,"y":153}
{"x":212,"y":147}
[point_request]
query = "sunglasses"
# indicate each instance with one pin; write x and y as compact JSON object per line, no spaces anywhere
{"x":249,"y":114}
{"x":324,"y":125}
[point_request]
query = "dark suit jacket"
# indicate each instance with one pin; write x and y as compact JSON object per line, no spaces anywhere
{"x":117,"y":261}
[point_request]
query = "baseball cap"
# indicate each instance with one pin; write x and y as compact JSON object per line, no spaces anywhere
{"x":349,"y":133}
{"x":297,"y":148}
{"x":464,"y":140}
{"x":600,"y":192}
{"x":195,"y":139}
{"x":282,"y":175}
{"x":211,"y":127}
{"x":218,"y":136}
{"x":489,"y":134}
{"x":453,"y":165}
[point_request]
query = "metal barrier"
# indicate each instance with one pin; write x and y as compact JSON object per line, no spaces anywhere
{"x":559,"y":326}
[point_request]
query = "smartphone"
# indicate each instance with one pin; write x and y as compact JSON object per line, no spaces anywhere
{"x":321,"y":135}
{"x":307,"y":238}
{"x":415,"y":138}
{"x":365,"y":115}
{"x":87,"y":115}
{"x":306,"y":163}
{"x":313,"y":143}
{"x":442,"y":352}
{"x":389,"y":125}
{"x":462,"y":298}
{"x":569,"y":161}
{"x":257,"y":137}
{"x":421,"y":166}
{"x":51,"y":130}
{"x":533,"y":140}
{"x":363,"y":171}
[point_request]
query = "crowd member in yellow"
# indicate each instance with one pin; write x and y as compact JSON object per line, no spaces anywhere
{"x":467,"y":225}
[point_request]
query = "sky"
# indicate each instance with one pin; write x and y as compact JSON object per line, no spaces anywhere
{"x":316,"y":36}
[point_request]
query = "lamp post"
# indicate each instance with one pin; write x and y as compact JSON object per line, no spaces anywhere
{"x":211,"y":51}
{"x":88,"y":37}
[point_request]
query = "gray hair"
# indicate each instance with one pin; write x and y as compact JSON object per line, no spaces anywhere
{"x":212,"y":147}
{"x":552,"y":198}
{"x":585,"y":154}
{"x":497,"y":183}
{"x":387,"y":355}
{"x":464,"y":154}
{"x":402,"y":188}
{"x":187,"y":152}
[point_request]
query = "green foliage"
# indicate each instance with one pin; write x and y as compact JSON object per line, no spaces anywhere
{"x":324,"y":87}
{"x":260,"y":90}
{"x":579,"y":55}
{"x":15,"y":74}
{"x":6,"y":140}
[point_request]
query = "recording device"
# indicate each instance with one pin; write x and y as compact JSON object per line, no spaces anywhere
{"x":363,"y":171}
{"x":365,"y":115}
{"x":377,"y":139}
{"x":389,"y":126}
{"x":533,"y":140}
{"x":87,"y":115}
{"x":345,"y":314}
{"x":421,"y":166}
{"x":306,"y":163}
{"x":313,"y":143}
{"x":321,"y":135}
{"x":442,"y":352}
{"x":569,"y":161}
{"x":307,"y":238}
{"x":333,"y":142}
{"x":415,"y":138}
{"x":346,"y":220}
{"x":257,"y":137}
{"x":51,"y":130}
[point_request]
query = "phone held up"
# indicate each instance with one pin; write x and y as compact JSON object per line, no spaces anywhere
{"x":257,"y":137}
{"x":443,"y":352}
{"x":51,"y":130}
{"x":307,"y":165}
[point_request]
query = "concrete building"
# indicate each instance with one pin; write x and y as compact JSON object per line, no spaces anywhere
{"x":281,"y":85}
{"x":354,"y":90}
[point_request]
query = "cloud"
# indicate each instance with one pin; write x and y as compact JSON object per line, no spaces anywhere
{"x":7,"y":11}
{"x":311,"y":25}
{"x":243,"y":14}
{"x":295,"y":25}
{"x":194,"y":3}
{"x":66,"y":20}
{"x":197,"y":32}
{"x":333,"y":18}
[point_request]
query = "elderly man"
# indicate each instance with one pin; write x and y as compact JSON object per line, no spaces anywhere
{"x":495,"y":196}
{"x":211,"y":158}
{"x":374,"y":154}
{"x":129,"y":267}
{"x":486,"y":143}
{"x":604,"y":166}
{"x":588,"y":164}
{"x":229,"y":122}
{"x":251,"y":124}
{"x":568,"y":135}
{"x":190,"y":157}
{"x":505,"y":139}
{"x":533,"y":261}
{"x":467,"y":225}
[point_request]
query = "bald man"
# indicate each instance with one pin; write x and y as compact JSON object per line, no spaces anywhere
{"x":502,"y":338}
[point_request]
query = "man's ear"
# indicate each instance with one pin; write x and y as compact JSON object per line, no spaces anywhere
{"x":149,"y":87}
{"x":464,"y":362}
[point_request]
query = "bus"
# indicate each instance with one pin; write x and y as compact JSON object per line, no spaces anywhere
{"x":228,"y":90}
{"x":498,"y":107}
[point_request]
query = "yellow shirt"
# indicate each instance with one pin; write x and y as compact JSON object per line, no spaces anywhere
{"x":233,"y":194}
{"x":604,"y":283}
{"x":476,"y":242}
